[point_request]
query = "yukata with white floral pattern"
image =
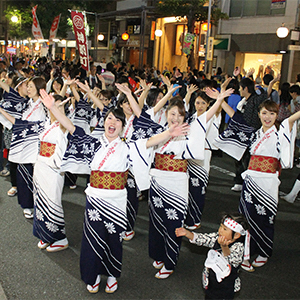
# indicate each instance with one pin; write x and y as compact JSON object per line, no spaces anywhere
{"x":230,"y":284}
{"x":199,"y":174}
{"x":105,"y":212}
{"x":168,"y":195}
{"x":259,"y":196}
{"x":25,"y":142}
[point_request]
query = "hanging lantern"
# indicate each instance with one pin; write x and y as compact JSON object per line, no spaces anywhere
{"x":125,"y":36}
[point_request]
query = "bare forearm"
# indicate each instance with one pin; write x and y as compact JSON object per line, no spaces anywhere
{"x":62,"y":119}
{"x":158,"y":139}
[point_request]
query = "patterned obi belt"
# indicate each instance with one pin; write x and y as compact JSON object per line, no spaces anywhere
{"x":166,"y":162}
{"x":265,"y":164}
{"x":47,"y":149}
{"x":108,"y":180}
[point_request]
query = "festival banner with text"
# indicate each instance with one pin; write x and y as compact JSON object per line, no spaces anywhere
{"x":79,"y":30}
{"x":36,"y":28}
{"x":54,"y":28}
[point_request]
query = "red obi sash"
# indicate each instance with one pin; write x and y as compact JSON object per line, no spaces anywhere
{"x":108,"y":180}
{"x":264,"y":164}
{"x":47,"y":149}
{"x":166,"y":162}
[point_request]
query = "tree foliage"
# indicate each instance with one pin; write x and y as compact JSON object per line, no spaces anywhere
{"x":194,"y":10}
{"x":47,"y":10}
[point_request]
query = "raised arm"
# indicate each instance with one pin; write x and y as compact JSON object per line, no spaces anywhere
{"x":164,"y":100}
{"x":67,"y":82}
{"x":134,"y":105}
{"x":91,"y":95}
{"x":271,"y":84}
{"x":48,"y":101}
{"x":220,"y":97}
{"x":294,"y":117}
{"x":6,"y":115}
{"x":145,"y":92}
{"x":189,"y":91}
{"x":102,"y":80}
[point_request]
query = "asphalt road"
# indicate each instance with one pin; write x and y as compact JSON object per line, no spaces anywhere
{"x":28,"y":273}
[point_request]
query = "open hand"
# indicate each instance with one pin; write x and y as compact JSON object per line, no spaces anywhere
{"x":47,"y":99}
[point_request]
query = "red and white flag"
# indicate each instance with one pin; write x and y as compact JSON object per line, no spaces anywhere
{"x":36,"y":28}
{"x":54,"y":28}
{"x":82,"y":45}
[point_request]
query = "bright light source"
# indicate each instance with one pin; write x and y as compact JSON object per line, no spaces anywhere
{"x":125,"y":36}
{"x":14,"y":19}
{"x":63,"y":42}
{"x":100,"y":37}
{"x":282,"y":32}
{"x":56,"y":40}
{"x":158,"y":32}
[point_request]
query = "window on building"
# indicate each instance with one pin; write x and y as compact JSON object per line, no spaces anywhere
{"x":246,"y":8}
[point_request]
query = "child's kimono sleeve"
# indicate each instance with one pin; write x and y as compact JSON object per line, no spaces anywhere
{"x":236,"y":138}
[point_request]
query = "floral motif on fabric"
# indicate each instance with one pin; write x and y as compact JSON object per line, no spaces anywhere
{"x":122,"y":235}
{"x":195,"y":181}
{"x":35,"y":128}
{"x":248,"y":197}
{"x":130,"y":183}
{"x":150,"y":132}
{"x":157,"y":202}
{"x":13,"y":137}
{"x":228,"y":133}
{"x":19,"y":107}
{"x":271,"y":219}
{"x":260,"y":209}
{"x":171,"y":214}
{"x":24,"y":133}
{"x":51,"y":226}
{"x":242,"y":136}
{"x":94,"y":215}
{"x":39,"y":215}
{"x":139,"y":134}
{"x":110,"y":227}
{"x":81,"y":112}
{"x":6,"y":104}
{"x":73,"y":149}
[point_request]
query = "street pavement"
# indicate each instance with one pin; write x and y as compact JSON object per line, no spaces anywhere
{"x":30,"y":273}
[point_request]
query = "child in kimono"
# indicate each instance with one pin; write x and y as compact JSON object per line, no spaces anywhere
{"x":270,"y":150}
{"x":227,"y":255}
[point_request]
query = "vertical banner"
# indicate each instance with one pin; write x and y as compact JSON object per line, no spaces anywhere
{"x":36,"y":28}
{"x":210,"y":48}
{"x":188,"y":43}
{"x":54,"y":28}
{"x":79,"y":30}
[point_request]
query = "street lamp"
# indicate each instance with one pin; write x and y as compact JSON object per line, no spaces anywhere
{"x":282,"y":31}
{"x":14,"y":19}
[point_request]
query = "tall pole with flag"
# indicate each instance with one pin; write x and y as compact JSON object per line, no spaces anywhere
{"x":82,"y":44}
{"x":53,"y":32}
{"x":36,"y":28}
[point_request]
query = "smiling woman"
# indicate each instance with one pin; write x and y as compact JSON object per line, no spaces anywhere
{"x":109,"y":159}
{"x":270,"y":150}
